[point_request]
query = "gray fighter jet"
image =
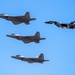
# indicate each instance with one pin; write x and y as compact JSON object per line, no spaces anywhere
{"x":27,"y":39}
{"x":39,"y":59}
{"x":18,"y":19}
{"x":70,"y":25}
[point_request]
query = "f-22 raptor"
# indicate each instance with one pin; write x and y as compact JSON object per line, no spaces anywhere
{"x":39,"y":59}
{"x":18,"y":19}
{"x":27,"y":39}
{"x":70,"y":25}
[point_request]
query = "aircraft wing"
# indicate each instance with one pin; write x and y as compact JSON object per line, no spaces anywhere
{"x":26,"y":39}
{"x":15,"y":23}
{"x":37,"y":41}
{"x":27,"y":15}
{"x":28,"y":60}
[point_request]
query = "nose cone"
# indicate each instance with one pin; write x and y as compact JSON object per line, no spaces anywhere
{"x":49,"y":22}
{"x":46,"y":22}
{"x":12,"y":56}
{"x":13,"y":36}
{"x":9,"y":35}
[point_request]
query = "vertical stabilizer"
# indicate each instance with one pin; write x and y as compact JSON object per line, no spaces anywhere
{"x":27,"y":15}
{"x":41,"y":56}
{"x":37,"y":34}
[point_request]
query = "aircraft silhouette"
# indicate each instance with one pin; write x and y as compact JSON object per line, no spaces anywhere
{"x":18,"y":19}
{"x":39,"y":59}
{"x":70,"y":25}
{"x":27,"y":39}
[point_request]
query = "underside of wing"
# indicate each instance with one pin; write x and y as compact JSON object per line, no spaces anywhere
{"x":28,"y":60}
{"x":26,"y":41}
{"x":15,"y":23}
{"x":37,"y":41}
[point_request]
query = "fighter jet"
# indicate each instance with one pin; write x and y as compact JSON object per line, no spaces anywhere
{"x":27,"y":39}
{"x":70,"y":25}
{"x":18,"y":19}
{"x":39,"y":59}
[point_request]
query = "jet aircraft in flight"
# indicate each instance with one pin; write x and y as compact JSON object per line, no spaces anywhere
{"x":39,"y":59}
{"x":27,"y":39}
{"x":70,"y":25}
{"x":18,"y":19}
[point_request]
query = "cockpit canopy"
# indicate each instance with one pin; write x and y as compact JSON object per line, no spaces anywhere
{"x":3,"y":14}
{"x":15,"y":34}
{"x":19,"y":56}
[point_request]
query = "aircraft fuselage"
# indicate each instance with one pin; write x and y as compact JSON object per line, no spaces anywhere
{"x":39,"y":60}
{"x":16,"y":18}
{"x":27,"y":39}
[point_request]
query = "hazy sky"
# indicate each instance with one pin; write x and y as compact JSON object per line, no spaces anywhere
{"x":59,"y":46}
